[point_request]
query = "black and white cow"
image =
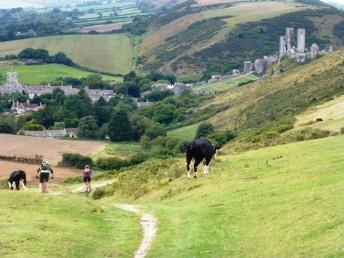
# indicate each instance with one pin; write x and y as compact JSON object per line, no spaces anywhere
{"x":17,"y":178}
{"x":199,"y":150}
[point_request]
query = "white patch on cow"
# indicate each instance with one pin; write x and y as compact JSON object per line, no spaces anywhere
{"x":206,"y":170}
{"x":188,"y":175}
{"x":9,"y":185}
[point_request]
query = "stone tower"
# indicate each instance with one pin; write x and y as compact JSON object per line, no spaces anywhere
{"x":314,"y":51}
{"x":289,"y":37}
{"x":301,"y":40}
{"x":283,"y":47}
{"x":248,"y":67}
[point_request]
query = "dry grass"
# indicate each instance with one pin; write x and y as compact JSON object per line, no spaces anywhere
{"x":332,"y":112}
{"x":243,"y":97}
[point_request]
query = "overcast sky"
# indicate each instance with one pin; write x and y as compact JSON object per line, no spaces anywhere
{"x":36,"y":3}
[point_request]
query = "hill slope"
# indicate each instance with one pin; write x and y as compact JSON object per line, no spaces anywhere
{"x":282,"y":201}
{"x":193,"y":39}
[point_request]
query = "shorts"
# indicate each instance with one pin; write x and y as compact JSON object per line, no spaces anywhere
{"x":44,"y":177}
{"x":87,"y":179}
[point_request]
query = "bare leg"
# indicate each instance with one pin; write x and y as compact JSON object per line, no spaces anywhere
{"x":188,"y":161}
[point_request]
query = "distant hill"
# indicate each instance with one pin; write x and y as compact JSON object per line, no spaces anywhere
{"x":190,"y":38}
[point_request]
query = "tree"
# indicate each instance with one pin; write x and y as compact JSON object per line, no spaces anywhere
{"x":203,"y":130}
{"x":156,"y":131}
{"x":164,"y":113}
{"x":119,"y":127}
{"x":134,"y":90}
{"x":88,"y":128}
{"x":33,"y":125}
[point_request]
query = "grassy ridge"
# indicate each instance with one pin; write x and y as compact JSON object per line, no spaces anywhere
{"x":282,"y":201}
{"x":64,"y":226}
{"x":36,"y":74}
{"x":105,"y":53}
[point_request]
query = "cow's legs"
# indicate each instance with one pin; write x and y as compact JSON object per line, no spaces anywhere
{"x":23,"y":185}
{"x":10,"y":185}
{"x":197,"y":162}
{"x":188,"y":161}
{"x":206,"y":167}
{"x":17,"y":185}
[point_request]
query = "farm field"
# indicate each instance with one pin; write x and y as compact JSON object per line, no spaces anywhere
{"x":108,"y":53}
{"x":50,"y":149}
{"x":67,"y":225}
{"x":30,"y":169}
{"x":265,"y":203}
{"x":38,"y":74}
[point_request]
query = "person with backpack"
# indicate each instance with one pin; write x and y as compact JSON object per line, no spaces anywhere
{"x":43,"y":174}
{"x":87,"y":174}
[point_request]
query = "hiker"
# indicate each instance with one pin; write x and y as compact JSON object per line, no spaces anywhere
{"x":43,"y":174}
{"x":87,"y":173}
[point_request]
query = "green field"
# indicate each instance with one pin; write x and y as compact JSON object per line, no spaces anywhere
{"x":185,"y":133}
{"x":225,"y":85}
{"x":37,"y":226}
{"x":284,"y":201}
{"x":118,"y":150}
{"x":37,"y":74}
{"x":104,"y":53}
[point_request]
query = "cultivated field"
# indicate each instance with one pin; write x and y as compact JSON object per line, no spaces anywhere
{"x":50,"y":149}
{"x":6,"y":168}
{"x":102,"y":28}
{"x":105,"y":53}
{"x":38,"y":74}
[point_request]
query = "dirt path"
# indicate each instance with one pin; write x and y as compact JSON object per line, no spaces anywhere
{"x":147,"y":221}
{"x":149,"y":226}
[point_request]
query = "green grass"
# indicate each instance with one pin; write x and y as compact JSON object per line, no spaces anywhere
{"x":36,"y":74}
{"x":225,"y":85}
{"x":104,"y":53}
{"x":118,"y":150}
{"x":283,"y":201}
{"x":36,"y":225}
{"x":186,"y":133}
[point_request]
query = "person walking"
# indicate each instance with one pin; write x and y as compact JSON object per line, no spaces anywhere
{"x":87,"y":174}
{"x":43,"y":173}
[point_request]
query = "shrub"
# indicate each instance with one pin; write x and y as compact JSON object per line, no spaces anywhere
{"x":204,"y":129}
{"x":220,"y":138}
{"x":111,"y":163}
{"x":98,"y":193}
{"x":75,"y":160}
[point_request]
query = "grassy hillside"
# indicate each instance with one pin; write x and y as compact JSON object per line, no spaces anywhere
{"x":37,"y":74}
{"x":283,"y":201}
{"x":201,"y":27}
{"x":105,"y":53}
{"x":331,"y":112}
{"x":64,"y":226}
{"x":195,"y":38}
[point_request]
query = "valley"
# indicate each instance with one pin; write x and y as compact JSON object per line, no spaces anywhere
{"x":121,"y":95}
